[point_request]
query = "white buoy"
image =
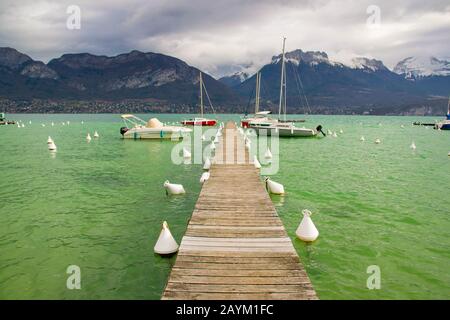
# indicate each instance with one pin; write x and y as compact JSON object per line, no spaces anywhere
{"x":82,"y":122}
{"x":29,"y":122}
{"x":43,"y":125}
{"x":268,"y":154}
{"x":173,"y":188}
{"x":334,"y":134}
{"x":377,"y":141}
{"x":186,"y":153}
{"x":51,"y":146}
{"x":53,"y":124}
{"x":166,"y":243}
{"x":341,"y":131}
{"x":413,"y":146}
{"x":307,"y":231}
{"x":23,"y":126}
{"x":96,"y":135}
{"x":68,"y":122}
{"x":362,"y":138}
{"x":88,"y":138}
{"x":402,"y":126}
{"x":207,"y":164}
{"x":274,"y":187}
{"x":256,"y":162}
{"x":204,"y":177}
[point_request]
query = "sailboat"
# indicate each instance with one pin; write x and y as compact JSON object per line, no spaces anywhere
{"x":200,"y":121}
{"x":284,"y":128}
{"x":259,"y":116}
{"x":445,"y":124}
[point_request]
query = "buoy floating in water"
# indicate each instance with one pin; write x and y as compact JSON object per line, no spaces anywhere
{"x":307,"y":231}
{"x":274,"y":187}
{"x":51,"y":144}
{"x":256,"y":162}
{"x":377,"y":141}
{"x":173,"y":188}
{"x":88,"y":138}
{"x":268,"y":154}
{"x":341,"y":131}
{"x":96,"y":135}
{"x":413,"y":146}
{"x":186,"y":153}
{"x":362,"y":138}
{"x":166,"y":243}
{"x":207,"y":164}
{"x":204,"y":177}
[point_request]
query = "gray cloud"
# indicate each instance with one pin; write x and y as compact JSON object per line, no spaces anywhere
{"x":218,"y":36}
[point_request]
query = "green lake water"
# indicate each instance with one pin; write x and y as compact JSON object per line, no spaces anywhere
{"x":100,"y":206}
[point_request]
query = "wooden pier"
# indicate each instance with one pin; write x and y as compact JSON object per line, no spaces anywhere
{"x":235,"y":246}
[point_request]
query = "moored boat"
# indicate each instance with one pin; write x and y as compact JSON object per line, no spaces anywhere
{"x":283,"y":128}
{"x":201,"y":121}
{"x":136,"y":128}
{"x":445,"y":124}
{"x":4,"y":121}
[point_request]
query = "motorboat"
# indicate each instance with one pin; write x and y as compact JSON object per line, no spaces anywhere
{"x":136,"y":128}
{"x":201,"y":121}
{"x":4,"y":121}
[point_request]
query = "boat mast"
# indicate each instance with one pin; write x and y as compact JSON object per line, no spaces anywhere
{"x":201,"y":95}
{"x":448,"y":107}
{"x":258,"y":86}
{"x":282,"y":81}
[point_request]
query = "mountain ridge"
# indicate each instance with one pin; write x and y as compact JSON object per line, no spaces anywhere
{"x":152,"y":81}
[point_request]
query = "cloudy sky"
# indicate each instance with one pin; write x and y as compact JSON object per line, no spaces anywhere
{"x":220,"y":36}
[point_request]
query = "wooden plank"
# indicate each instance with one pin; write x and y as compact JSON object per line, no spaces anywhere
{"x":235,"y":246}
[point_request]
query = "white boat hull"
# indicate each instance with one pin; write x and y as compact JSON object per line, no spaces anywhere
{"x":284,"y":131}
{"x":156,"y":133}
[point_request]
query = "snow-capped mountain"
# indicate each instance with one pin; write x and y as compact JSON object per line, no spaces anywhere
{"x":309,"y":57}
{"x":417,"y":67}
{"x":314,"y":58}
{"x":234,"y":79}
{"x":367,"y":64}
